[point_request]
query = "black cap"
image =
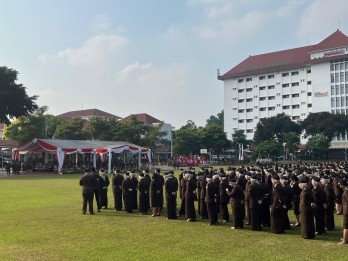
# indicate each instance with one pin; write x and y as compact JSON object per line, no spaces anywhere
{"x":315,"y":178}
{"x":344,"y":182}
{"x":276,"y":177}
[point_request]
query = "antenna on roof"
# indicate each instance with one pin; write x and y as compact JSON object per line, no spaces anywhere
{"x":218,"y":72}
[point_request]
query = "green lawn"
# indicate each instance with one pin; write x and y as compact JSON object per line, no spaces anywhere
{"x":40,"y":219}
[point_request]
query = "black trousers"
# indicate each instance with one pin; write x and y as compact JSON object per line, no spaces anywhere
{"x":87,"y":198}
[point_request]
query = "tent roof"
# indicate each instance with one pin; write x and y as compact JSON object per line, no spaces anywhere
{"x":66,"y":145}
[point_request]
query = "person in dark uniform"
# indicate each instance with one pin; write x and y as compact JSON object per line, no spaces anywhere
{"x":117,"y":180}
{"x":297,"y":191}
{"x":144,"y":193}
{"x":224,"y":198}
{"x":147,"y":176}
{"x":155,"y":192}
{"x":88,"y":184}
{"x":330,"y":203}
{"x":203,"y":184}
{"x":288,"y":200}
{"x":307,"y":206}
{"x":278,"y":206}
{"x":171,"y":189}
{"x":255,"y":201}
{"x":344,"y":186}
{"x":97,"y":188}
{"x":161,"y":198}
{"x":338,"y":194}
{"x":200,"y":177}
{"x":211,"y":200}
{"x":266,"y":202}
{"x":247,"y":201}
{"x":236,"y":194}
{"x":216,"y":180}
{"x":134,"y":181}
{"x":182,"y":194}
{"x":127,"y":187}
{"x":190,"y":197}
{"x":320,"y":202}
{"x":104,"y":182}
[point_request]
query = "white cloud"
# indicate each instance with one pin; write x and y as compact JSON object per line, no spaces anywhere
{"x":95,"y":51}
{"x":321,"y":17}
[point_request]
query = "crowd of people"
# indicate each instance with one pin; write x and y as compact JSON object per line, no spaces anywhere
{"x":259,"y":196}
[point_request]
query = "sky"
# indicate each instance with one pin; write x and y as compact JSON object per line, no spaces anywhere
{"x":158,"y":57}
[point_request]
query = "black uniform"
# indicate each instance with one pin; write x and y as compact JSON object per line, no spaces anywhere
{"x":88,"y":184}
{"x":117,"y":180}
{"x":171,"y":189}
{"x":104,"y":182}
{"x":144,"y":195}
{"x":127,"y":186}
{"x":211,"y":201}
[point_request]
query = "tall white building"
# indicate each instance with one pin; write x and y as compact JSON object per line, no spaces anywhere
{"x":295,"y":82}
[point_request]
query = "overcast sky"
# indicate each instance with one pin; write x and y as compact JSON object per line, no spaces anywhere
{"x":150,"y":56}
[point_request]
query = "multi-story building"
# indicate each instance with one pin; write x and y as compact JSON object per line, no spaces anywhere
{"x":296,"y":82}
{"x":87,"y":114}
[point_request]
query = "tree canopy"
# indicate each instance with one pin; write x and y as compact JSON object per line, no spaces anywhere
{"x":217,"y":120}
{"x":14,"y":101}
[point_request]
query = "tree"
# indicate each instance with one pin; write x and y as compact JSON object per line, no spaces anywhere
{"x":268,"y":149}
{"x":213,"y":137}
{"x":14,"y":101}
{"x":238,"y":137}
{"x":72,"y":129}
{"x":318,"y":145}
{"x":130,"y":130}
{"x":217,"y":120}
{"x":153,"y":136}
{"x":275,"y":127}
{"x":102,"y":128}
{"x":326,"y":124}
{"x":291,"y":140}
{"x":186,"y":140}
{"x":35,"y":125}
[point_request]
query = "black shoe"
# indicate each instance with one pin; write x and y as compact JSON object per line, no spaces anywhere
{"x":84,"y":213}
{"x":92,"y":213}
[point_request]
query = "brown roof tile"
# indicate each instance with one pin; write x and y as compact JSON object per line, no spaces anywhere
{"x":284,"y":60}
{"x":146,"y":118}
{"x":8,"y":143}
{"x":87,"y":113}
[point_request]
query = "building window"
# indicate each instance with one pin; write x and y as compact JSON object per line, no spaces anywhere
{"x":285,"y":74}
{"x":309,"y":82}
{"x":295,"y":84}
{"x":286,"y":107}
{"x":309,"y":105}
{"x":337,"y":89}
{"x":342,"y":88}
{"x":294,"y":73}
{"x":309,"y":71}
{"x":271,"y":87}
{"x":249,"y":99}
{"x":240,"y":80}
{"x":249,"y":79}
{"x":295,"y":106}
{"x":296,"y":117}
{"x":241,"y":101}
{"x":309,"y":94}
{"x":262,"y":109}
{"x":262,"y":98}
{"x":285,"y":85}
{"x":249,"y":120}
{"x":285,"y":96}
{"x":262,"y":88}
{"x":249,"y":90}
{"x":332,"y":102}
{"x":262,"y":77}
{"x":249,"y":131}
{"x":240,"y":91}
{"x":271,"y":98}
{"x":240,"y":111}
{"x":295,"y":95}
{"x":240,"y":121}
{"x":337,"y":102}
{"x":271,"y":108}
{"x":271,"y":76}
{"x":249,"y":110}
{"x":332,"y":78}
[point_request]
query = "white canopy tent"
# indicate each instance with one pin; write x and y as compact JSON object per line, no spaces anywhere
{"x":67,"y":147}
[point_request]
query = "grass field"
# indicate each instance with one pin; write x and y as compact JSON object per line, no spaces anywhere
{"x":40,"y":219}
